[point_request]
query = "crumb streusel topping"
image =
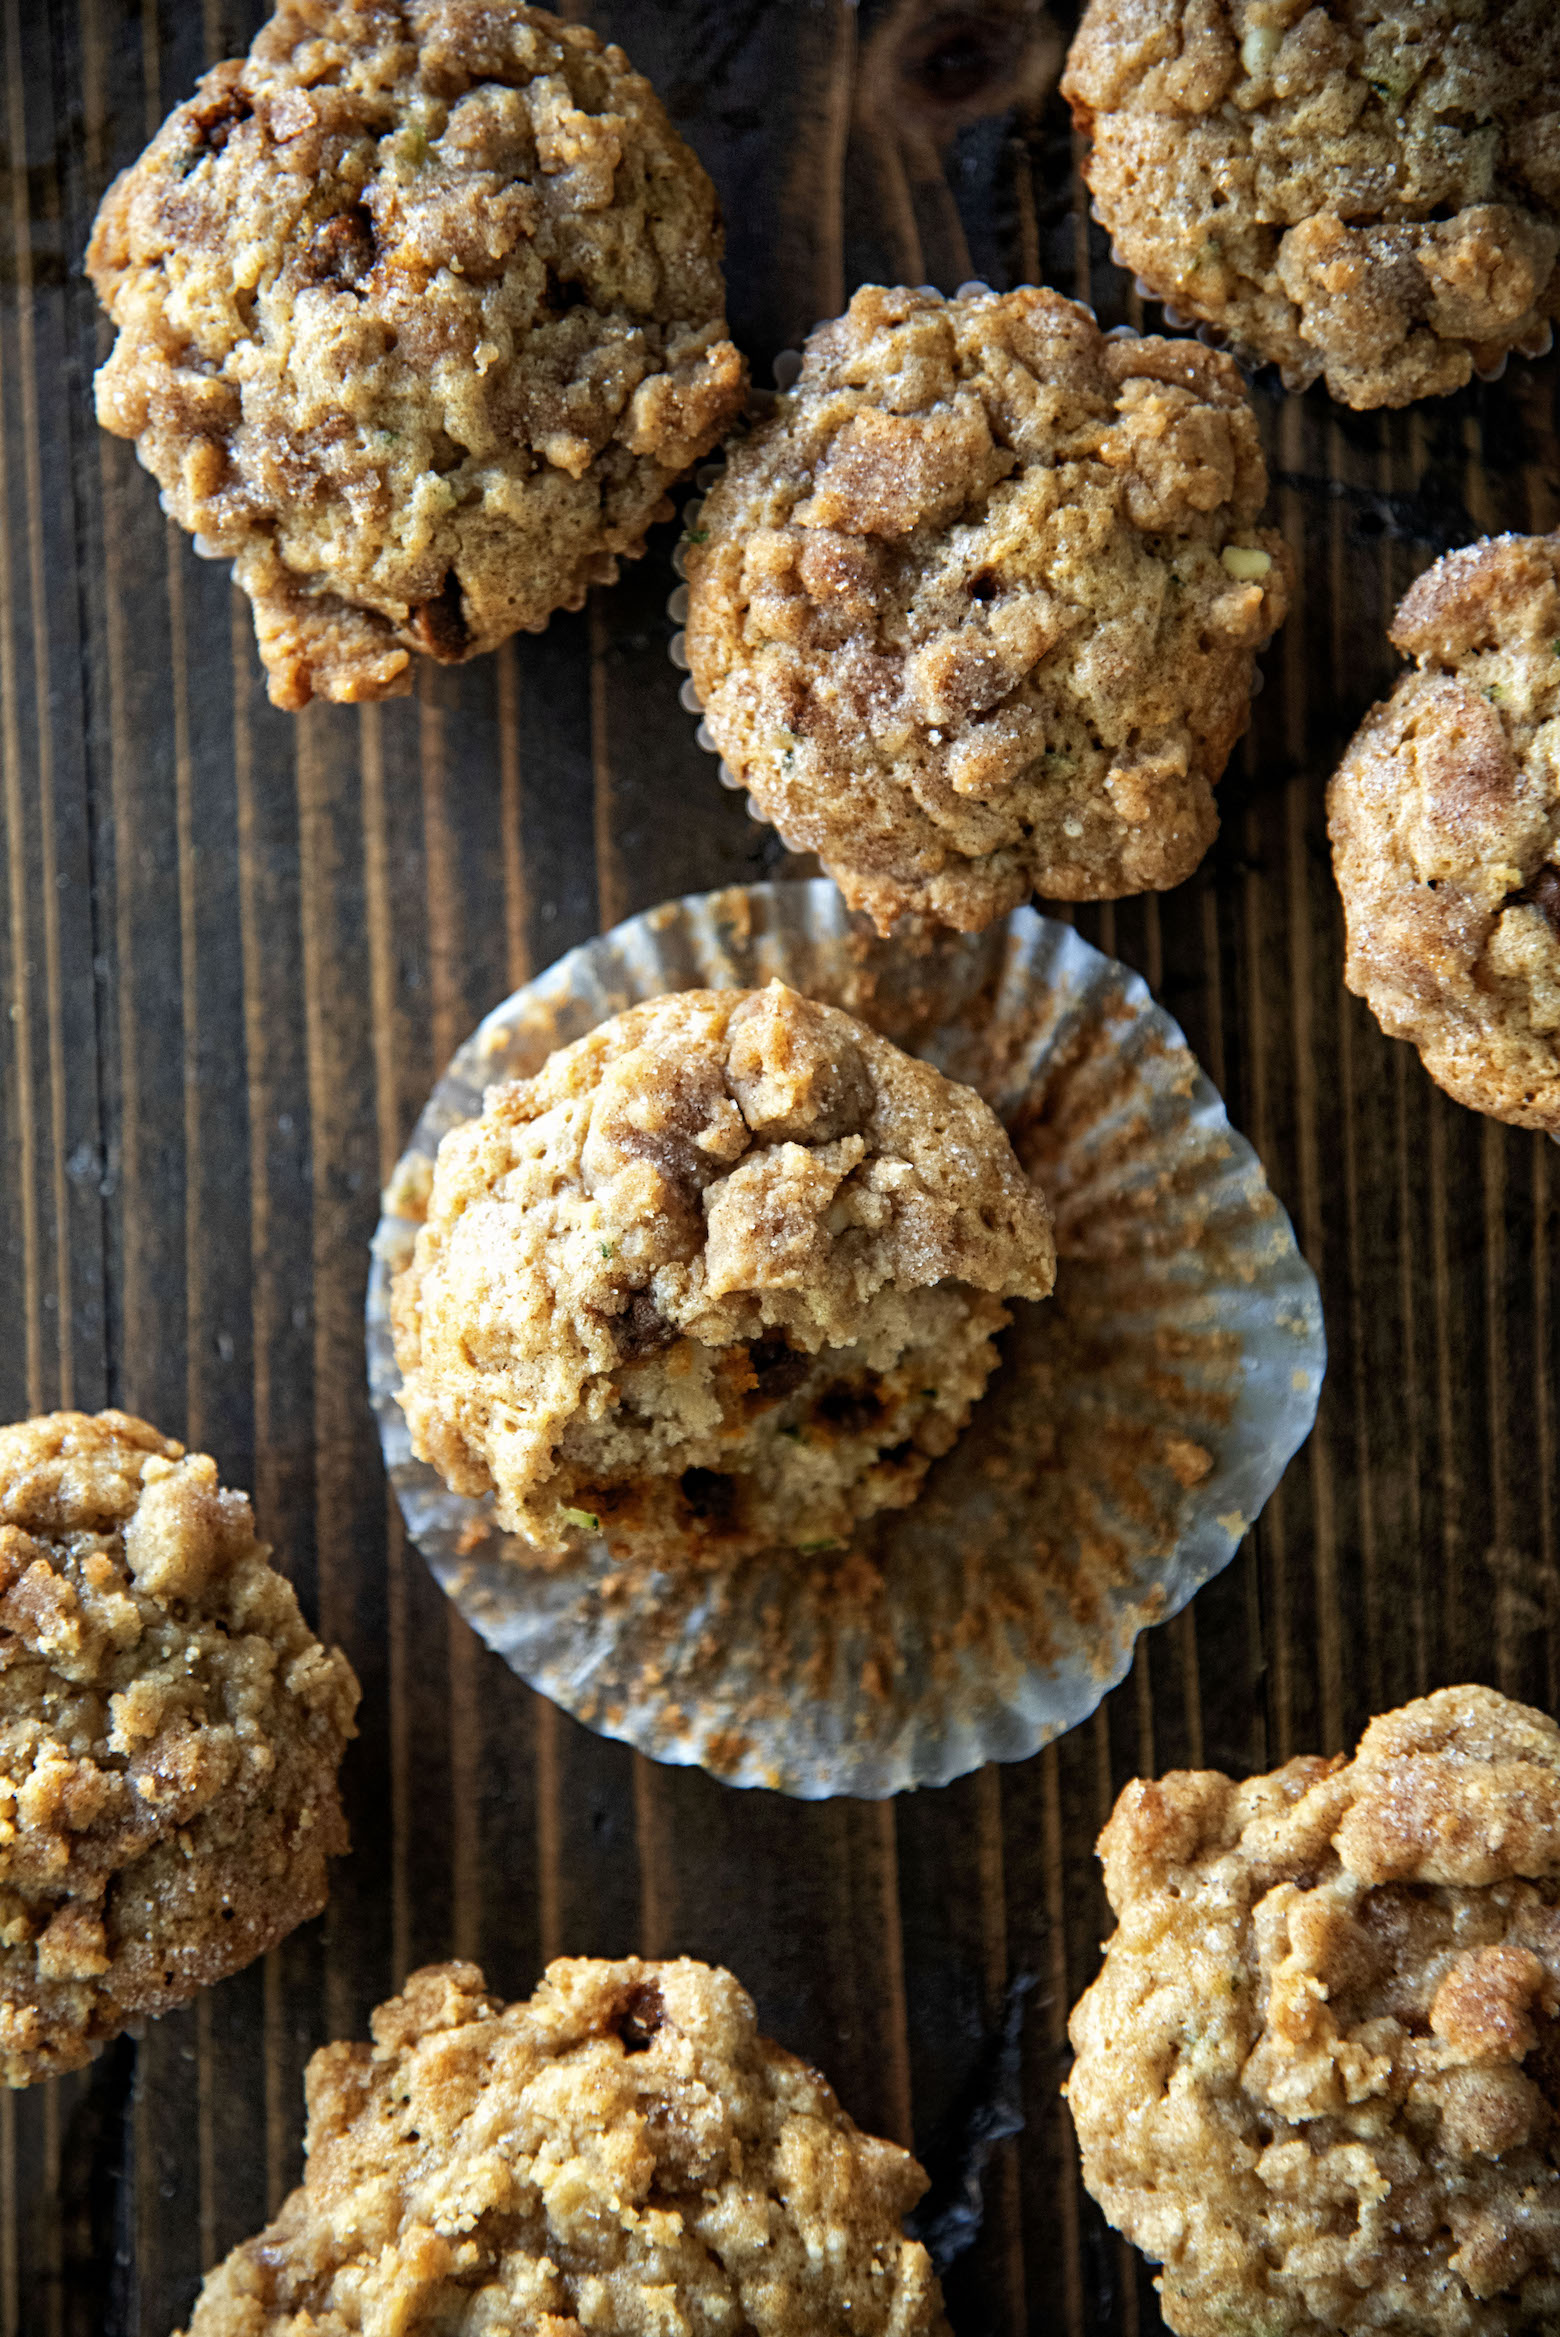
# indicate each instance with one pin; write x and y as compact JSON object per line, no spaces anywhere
{"x":170,"y":1732}
{"x":974,"y":614}
{"x":420,"y":313}
{"x":1318,"y":2077}
{"x":1366,"y":191}
{"x":725,"y":1274}
{"x":622,"y":2152}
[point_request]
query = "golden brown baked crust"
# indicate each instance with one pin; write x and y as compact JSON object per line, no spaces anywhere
{"x":724,"y":1275}
{"x":1318,"y":2077}
{"x":420,"y":312}
{"x":170,"y":1732}
{"x":1372,"y":192}
{"x":974,"y":614}
{"x":621,"y":2152}
{"x":1445,"y":825}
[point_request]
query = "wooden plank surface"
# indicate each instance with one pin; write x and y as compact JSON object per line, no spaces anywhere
{"x":236,"y":946}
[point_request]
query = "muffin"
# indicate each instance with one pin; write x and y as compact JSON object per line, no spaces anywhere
{"x":170,"y":1732}
{"x":1372,"y":194}
{"x":1318,"y":2076}
{"x":621,"y":2152}
{"x":420,"y":313}
{"x":1445,"y":825}
{"x":725,"y":1275}
{"x":973,"y":614}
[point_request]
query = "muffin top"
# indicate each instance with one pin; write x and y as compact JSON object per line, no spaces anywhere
{"x":730,"y":1235}
{"x":973,"y":614}
{"x":420,"y":310}
{"x":622,"y":2151}
{"x":1372,"y":193}
{"x":1445,"y":825}
{"x":1321,"y":2067}
{"x":170,"y":1732}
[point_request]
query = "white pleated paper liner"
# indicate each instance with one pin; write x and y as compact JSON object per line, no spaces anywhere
{"x":1135,"y":1426}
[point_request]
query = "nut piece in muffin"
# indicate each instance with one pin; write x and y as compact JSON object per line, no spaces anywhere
{"x":420,"y":313}
{"x":725,"y":1275}
{"x":1318,"y":2077}
{"x":621,"y":2152}
{"x":1445,"y":825}
{"x":1372,"y":193}
{"x":973,"y":615}
{"x":170,"y":1732}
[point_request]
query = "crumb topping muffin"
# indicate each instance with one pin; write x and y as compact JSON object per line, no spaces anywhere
{"x":621,"y":2152}
{"x":1445,"y":825}
{"x":420,"y":312}
{"x":170,"y":1732}
{"x":1318,"y":2077}
{"x":973,"y":615}
{"x":1370,"y":193}
{"x":724,"y":1275}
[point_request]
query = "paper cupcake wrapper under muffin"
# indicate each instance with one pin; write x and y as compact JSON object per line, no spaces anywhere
{"x":1136,"y":1424}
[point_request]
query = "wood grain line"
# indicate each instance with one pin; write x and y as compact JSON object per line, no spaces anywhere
{"x":654,"y":1937}
{"x":1310,"y":1213}
{"x":52,"y":2249}
{"x":10,"y":2267}
{"x":1502,"y":1553}
{"x":1407,"y":1097}
{"x":609,"y":875}
{"x":828,"y":190}
{"x":1404,"y":1072}
{"x":1057,"y":2006}
{"x":1023,"y":181}
{"x":549,"y":1883}
{"x":932,"y":198}
{"x":1445,"y":1395}
{"x":189,"y":984}
{"x":895,"y":2012}
{"x":19,"y":1005}
{"x":381,"y":937}
{"x":1002,"y":2179}
{"x":450,"y":1014}
{"x":44,"y":775}
{"x":379,"y":926}
{"x":517,"y":889}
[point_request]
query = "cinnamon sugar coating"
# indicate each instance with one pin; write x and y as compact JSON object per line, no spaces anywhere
{"x":420,"y":313}
{"x":1445,"y":825}
{"x":1318,"y":2077}
{"x":974,"y":614}
{"x":170,"y":1732}
{"x":1366,"y":191}
{"x":621,"y":2153}
{"x":724,"y":1275}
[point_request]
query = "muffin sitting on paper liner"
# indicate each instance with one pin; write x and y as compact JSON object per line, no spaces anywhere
{"x":1134,"y":1423}
{"x":973,"y":614}
{"x":170,"y":1733}
{"x":420,"y":313}
{"x":1445,"y":825}
{"x":623,"y":2151}
{"x":725,"y":1275}
{"x":1318,"y":2077}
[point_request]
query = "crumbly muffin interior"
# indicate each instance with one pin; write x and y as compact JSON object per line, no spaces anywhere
{"x":726,"y":1274}
{"x":420,"y":311}
{"x":1372,"y":192}
{"x":1445,"y":824}
{"x":170,"y":1732}
{"x":973,"y":614}
{"x":1318,"y":2078}
{"x":621,"y":2152}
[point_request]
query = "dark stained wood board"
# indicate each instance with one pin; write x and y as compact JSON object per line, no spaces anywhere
{"x":237,"y":946}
